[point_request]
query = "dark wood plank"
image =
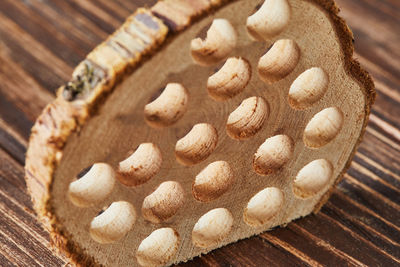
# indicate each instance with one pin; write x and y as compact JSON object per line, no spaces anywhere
{"x":6,"y":262}
{"x":249,"y":252}
{"x":96,"y":15}
{"x":42,"y":40}
{"x":364,"y":216}
{"x":307,"y":244}
{"x":40,"y":29}
{"x":14,"y":116}
{"x":345,"y":240}
{"x":23,"y":234}
{"x":368,"y":234}
{"x":370,"y":199}
{"x":70,"y":21}
{"x":21,"y":88}
{"x":12,"y":147}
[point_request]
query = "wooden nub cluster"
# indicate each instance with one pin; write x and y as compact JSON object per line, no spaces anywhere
{"x":199,"y":143}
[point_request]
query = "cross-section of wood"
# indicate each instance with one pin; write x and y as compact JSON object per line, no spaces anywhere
{"x":219,"y":43}
{"x":164,"y":202}
{"x":93,"y":187}
{"x":168,"y":108}
{"x":113,"y":223}
{"x":141,"y":166}
{"x":279,"y":61}
{"x":213,"y":181}
{"x":230,"y":80}
{"x":214,"y":171}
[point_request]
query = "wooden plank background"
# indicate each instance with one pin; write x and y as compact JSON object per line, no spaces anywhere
{"x":42,"y":40}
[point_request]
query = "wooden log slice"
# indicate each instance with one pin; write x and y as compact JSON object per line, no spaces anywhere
{"x":199,"y":142}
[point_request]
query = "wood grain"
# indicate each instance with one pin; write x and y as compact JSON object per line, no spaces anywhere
{"x":40,"y":43}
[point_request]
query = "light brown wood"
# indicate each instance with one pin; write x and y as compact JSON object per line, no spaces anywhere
{"x":119,"y":126}
{"x":323,"y":127}
{"x":273,"y":154}
{"x":248,"y":118}
{"x":230,"y":80}
{"x":219,"y":43}
{"x":164,"y":202}
{"x":158,"y":248}
{"x":279,"y":61}
{"x":168,"y":108}
{"x":312,"y":178}
{"x":213,"y":181}
{"x":263,"y":206}
{"x":278,"y":14}
{"x":113,"y":224}
{"x":197,"y":145}
{"x":212,"y":228}
{"x":308,"y":88}
{"x":141,"y":166}
{"x":93,"y":187}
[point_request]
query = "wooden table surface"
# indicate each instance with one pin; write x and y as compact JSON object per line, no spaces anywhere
{"x":42,"y":40}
